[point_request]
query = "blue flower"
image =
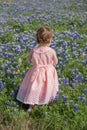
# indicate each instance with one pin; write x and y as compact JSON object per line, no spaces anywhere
{"x":3,"y":67}
{"x":85,"y":79}
{"x":79,"y":78}
{"x":71,"y":102}
{"x":66,"y":81}
{"x":57,"y":96}
{"x":84,"y":100}
{"x":15,"y":104}
{"x":76,"y":108}
{"x":8,"y":103}
{"x":74,"y":76}
{"x":12,"y":94}
{"x":2,"y":85}
{"x":67,"y":104}
{"x":15,"y":112}
{"x":84,"y":62}
{"x":53,"y":45}
{"x":9,"y":73}
{"x":85,"y":91}
{"x":23,"y":74}
{"x":13,"y":83}
{"x":64,"y":98}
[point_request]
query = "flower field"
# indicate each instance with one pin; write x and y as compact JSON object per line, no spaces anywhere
{"x":19,"y":21}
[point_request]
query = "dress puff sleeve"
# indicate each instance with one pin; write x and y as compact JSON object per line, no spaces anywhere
{"x":54,"y":58}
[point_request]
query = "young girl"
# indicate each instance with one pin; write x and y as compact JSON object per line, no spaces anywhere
{"x":40,"y":84}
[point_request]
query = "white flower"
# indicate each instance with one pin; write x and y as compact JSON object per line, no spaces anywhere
{"x":83,"y":55}
{"x":20,"y":61}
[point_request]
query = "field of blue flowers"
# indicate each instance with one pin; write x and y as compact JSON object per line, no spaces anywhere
{"x":19,"y":21}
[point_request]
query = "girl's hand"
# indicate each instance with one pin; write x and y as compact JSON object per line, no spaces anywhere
{"x":55,"y":59}
{"x":29,"y":59}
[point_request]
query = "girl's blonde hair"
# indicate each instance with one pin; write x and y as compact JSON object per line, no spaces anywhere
{"x":44,"y":35}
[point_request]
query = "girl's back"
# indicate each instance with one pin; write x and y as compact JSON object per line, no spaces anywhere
{"x":43,"y":56}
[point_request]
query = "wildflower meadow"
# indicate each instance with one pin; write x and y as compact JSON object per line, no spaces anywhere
{"x":19,"y":21}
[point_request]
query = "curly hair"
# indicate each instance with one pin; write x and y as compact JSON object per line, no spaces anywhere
{"x":44,"y":34}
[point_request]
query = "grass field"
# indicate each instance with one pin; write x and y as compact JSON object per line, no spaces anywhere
{"x":19,"y":21}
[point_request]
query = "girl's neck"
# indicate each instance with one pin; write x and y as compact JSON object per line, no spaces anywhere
{"x":41,"y":45}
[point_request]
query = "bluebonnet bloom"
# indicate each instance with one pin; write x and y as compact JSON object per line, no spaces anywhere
{"x":84,"y":100}
{"x":53,"y":45}
{"x":71,"y":102}
{"x":9,"y":73}
{"x":85,"y":48}
{"x":16,"y":90}
{"x":73,"y":48}
{"x":76,"y":108}
{"x":64,"y":98}
{"x":13,"y":83}
{"x":66,"y":81}
{"x":79,"y":78}
{"x":8,"y":63}
{"x":23,"y":74}
{"x":10,"y":55}
{"x":2,"y":85}
{"x":8,"y":103}
{"x":15,"y":104}
{"x":3,"y":67}
{"x":74,"y":76}
{"x":67,"y":104}
{"x":74,"y":55}
{"x":84,"y":62}
{"x":85,"y":91}
{"x":57,"y":96}
{"x":15,"y":112}
{"x":12,"y":94}
{"x":80,"y":51}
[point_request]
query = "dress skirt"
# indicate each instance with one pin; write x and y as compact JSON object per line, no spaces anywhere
{"x":39,"y":86}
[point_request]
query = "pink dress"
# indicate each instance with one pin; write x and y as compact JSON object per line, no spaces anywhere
{"x":40,"y":84}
